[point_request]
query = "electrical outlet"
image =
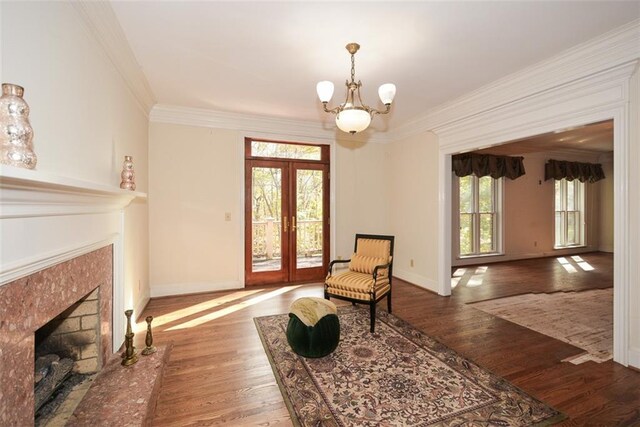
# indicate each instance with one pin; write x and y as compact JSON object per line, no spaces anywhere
{"x":410,"y":263}
{"x":227,"y":216}
{"x":339,"y":257}
{"x":535,"y":243}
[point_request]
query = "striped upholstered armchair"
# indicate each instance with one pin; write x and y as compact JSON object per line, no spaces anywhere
{"x":368,"y":278}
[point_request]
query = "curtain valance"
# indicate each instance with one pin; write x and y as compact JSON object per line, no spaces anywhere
{"x":487,"y":164}
{"x":560,"y":169}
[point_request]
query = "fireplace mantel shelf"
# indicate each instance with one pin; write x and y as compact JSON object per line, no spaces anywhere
{"x":29,"y":193}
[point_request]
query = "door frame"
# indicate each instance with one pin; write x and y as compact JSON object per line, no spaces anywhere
{"x":328,"y":158}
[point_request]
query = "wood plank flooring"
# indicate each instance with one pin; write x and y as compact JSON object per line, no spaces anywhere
{"x":219,"y":374}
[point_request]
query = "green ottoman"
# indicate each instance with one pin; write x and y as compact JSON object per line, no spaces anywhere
{"x":313,"y":329}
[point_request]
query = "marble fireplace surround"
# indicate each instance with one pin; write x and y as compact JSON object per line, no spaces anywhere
{"x":60,"y":238}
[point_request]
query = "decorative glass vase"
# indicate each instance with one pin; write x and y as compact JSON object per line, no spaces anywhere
{"x":16,"y":134}
{"x":128,"y":175}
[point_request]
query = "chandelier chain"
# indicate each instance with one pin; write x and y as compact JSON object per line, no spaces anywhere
{"x":353,"y":68}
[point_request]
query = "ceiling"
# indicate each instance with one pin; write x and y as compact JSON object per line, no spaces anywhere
{"x":265,"y":57}
{"x":595,"y":138}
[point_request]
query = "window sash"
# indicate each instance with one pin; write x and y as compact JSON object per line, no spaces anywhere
{"x":569,"y":216}
{"x":478,"y":242}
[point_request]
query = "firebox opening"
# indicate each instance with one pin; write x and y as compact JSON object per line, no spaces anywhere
{"x":67,"y":354}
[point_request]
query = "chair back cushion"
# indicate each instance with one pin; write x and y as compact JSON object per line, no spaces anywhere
{"x":376,"y":248}
{"x":365,"y":264}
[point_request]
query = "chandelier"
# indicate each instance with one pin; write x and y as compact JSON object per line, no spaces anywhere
{"x":352,"y":115}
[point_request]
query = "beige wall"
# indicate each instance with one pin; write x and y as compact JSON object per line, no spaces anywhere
{"x":84,"y":117}
{"x":414,"y":205}
{"x":197,"y":174}
{"x":528,"y":206}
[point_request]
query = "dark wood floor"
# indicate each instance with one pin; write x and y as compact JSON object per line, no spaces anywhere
{"x":219,"y":373}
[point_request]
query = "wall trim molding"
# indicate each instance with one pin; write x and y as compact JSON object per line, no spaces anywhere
{"x":193,"y":288}
{"x":105,"y":27}
{"x":264,"y":125}
{"x":617,"y":47}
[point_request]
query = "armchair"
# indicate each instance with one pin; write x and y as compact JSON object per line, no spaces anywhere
{"x":368,"y":278}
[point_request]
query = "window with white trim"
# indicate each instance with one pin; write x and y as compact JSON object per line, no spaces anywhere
{"x":569,"y":213}
{"x":479,"y":215}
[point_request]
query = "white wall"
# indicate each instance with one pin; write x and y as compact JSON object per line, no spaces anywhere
{"x":606,"y":208}
{"x":83,"y":115}
{"x":413,"y":175}
{"x":197,"y":174}
{"x":634,"y":214}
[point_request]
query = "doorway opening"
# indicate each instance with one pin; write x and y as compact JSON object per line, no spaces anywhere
{"x":286,"y":211}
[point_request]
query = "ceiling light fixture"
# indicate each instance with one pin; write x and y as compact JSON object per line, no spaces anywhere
{"x":352,"y":115}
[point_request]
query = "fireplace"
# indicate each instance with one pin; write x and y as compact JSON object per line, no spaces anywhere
{"x":60,"y":308}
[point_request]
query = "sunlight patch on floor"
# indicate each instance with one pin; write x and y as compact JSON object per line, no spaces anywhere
{"x":232,"y":309}
{"x":582,"y":263}
{"x":567,"y":265}
{"x":196,"y":308}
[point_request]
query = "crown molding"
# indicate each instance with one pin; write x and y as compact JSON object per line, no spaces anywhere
{"x":612,"y":49}
{"x":256,"y":123}
{"x":105,"y":27}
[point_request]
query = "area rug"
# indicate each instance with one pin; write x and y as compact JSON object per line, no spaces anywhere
{"x":396,"y":377}
{"x":583,"y":319}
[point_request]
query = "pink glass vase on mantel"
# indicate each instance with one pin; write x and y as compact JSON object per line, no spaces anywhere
{"x":16,"y":134}
{"x":128,"y":175}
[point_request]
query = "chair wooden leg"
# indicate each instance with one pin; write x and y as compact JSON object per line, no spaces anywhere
{"x":326,"y":295}
{"x":373,"y":316}
{"x":353,"y":303}
{"x":389,"y":302}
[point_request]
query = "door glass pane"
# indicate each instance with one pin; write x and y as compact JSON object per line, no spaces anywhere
{"x":466,"y":194}
{"x":466,"y":233}
{"x":266,"y":199}
{"x":486,"y":233}
{"x":485,"y":192}
{"x":285,"y":151}
{"x":309,"y":200}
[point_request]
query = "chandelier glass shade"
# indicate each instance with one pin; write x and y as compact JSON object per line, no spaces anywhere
{"x":353,"y":115}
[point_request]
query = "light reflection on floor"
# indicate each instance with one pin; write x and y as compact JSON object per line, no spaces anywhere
{"x":232,"y":309}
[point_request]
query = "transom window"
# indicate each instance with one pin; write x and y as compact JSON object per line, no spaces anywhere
{"x":479,"y":219}
{"x":286,"y":151}
{"x":569,"y":212}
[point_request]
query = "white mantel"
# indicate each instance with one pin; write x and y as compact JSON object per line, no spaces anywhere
{"x":46,"y":219}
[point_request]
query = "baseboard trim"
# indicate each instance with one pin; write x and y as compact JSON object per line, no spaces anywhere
{"x":516,"y":257}
{"x":416,"y":279}
{"x":608,"y":249}
{"x":634,"y":358}
{"x":193,"y":288}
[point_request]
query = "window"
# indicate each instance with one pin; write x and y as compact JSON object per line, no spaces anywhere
{"x":569,"y":209}
{"x":479,"y":208}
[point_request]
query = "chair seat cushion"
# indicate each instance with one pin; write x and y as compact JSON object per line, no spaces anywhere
{"x":314,"y":328}
{"x":352,"y":284}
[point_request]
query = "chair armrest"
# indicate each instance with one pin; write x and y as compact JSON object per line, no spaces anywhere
{"x":337,"y":261}
{"x":375,"y":269}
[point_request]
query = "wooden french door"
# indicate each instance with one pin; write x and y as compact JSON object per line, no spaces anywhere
{"x":286,"y":216}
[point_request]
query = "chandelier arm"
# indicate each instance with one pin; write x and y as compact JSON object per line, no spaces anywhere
{"x":373,"y":111}
{"x":335,"y":110}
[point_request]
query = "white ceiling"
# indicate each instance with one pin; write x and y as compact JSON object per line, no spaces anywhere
{"x":594,"y":138}
{"x":265,"y":57}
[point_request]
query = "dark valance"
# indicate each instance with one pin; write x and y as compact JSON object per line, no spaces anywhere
{"x":560,"y":169}
{"x":487,"y":164}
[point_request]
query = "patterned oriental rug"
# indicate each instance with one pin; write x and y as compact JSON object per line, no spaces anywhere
{"x":395,"y":377}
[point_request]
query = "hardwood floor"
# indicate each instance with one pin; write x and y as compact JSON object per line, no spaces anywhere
{"x":219,"y":373}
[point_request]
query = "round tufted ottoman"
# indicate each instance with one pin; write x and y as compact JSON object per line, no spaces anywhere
{"x":313,"y":329}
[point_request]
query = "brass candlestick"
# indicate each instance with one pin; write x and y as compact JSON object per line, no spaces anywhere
{"x":130,"y":356}
{"x":150,"y":348}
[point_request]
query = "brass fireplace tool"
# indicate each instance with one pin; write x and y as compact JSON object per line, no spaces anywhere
{"x":130,"y":356}
{"x":150,"y":348}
